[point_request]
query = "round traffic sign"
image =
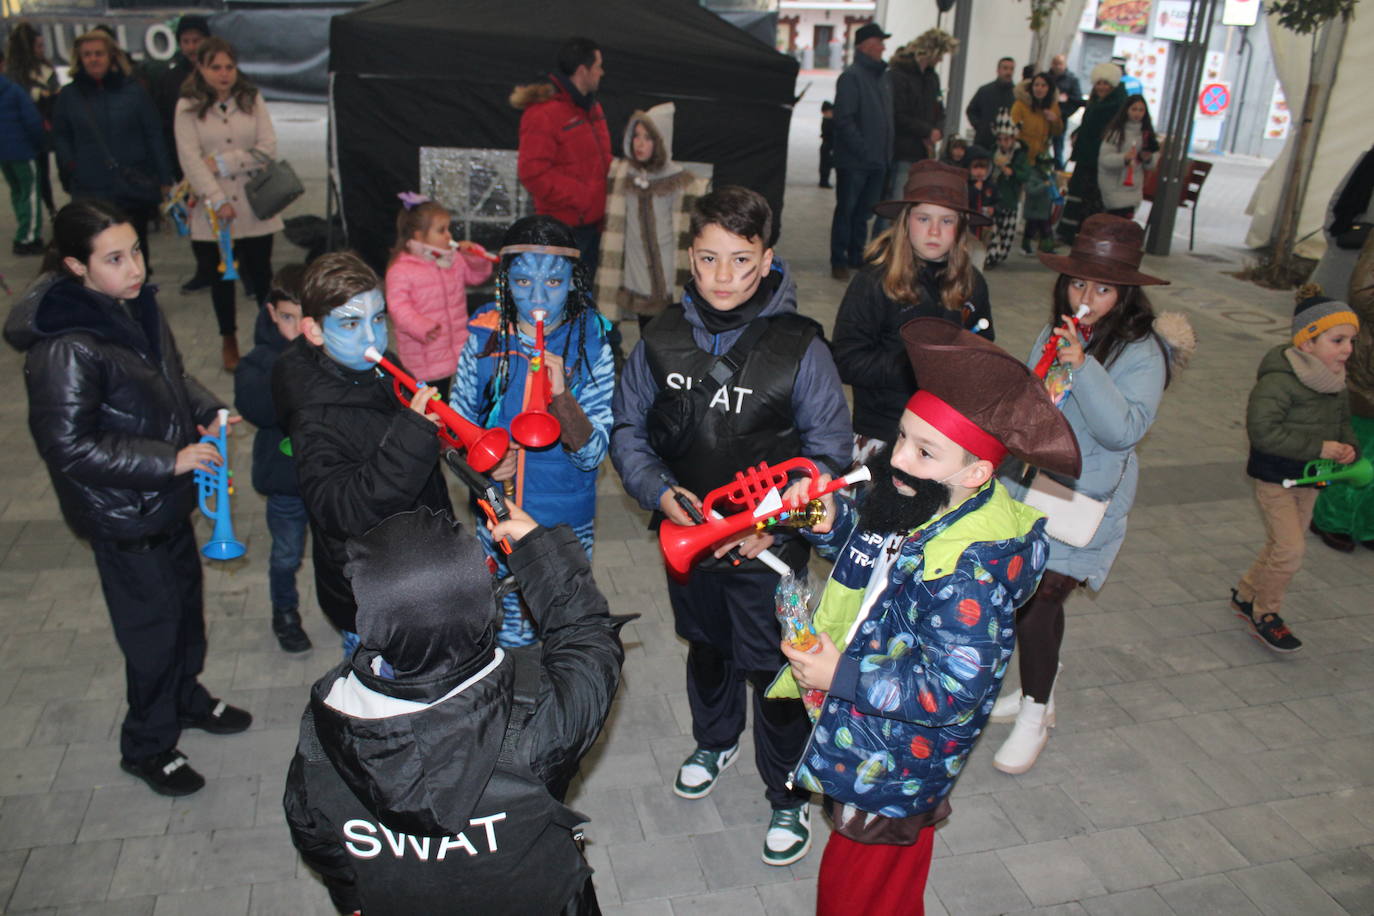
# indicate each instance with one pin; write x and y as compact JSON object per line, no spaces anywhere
{"x":1213,"y":99}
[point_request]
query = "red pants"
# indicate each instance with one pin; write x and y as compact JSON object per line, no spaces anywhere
{"x":874,"y":880}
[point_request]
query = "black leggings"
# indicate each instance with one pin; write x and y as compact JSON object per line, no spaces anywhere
{"x":254,"y":257}
{"x":1040,"y":632}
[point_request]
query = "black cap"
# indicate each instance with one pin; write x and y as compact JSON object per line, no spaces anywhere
{"x":869,"y":30}
{"x":191,"y":22}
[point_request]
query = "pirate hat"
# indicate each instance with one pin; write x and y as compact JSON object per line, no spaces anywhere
{"x":985,"y":399}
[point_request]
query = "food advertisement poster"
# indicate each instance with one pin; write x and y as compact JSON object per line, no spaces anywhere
{"x":1123,"y":17}
{"x":1276,"y":124}
{"x":1147,"y":59}
{"x":1171,"y":19}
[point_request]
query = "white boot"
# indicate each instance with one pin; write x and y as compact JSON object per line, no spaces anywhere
{"x":1006,"y":707}
{"x":1027,"y":739}
{"x":1009,"y":703}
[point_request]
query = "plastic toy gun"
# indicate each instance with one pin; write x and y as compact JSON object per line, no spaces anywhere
{"x":1052,"y":345}
{"x":1323,"y":472}
{"x":488,"y":495}
{"x":175,"y":207}
{"x":228,"y":267}
{"x":214,"y":486}
{"x":758,"y":489}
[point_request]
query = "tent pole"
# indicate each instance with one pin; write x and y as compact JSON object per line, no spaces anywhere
{"x":954,"y":107}
{"x":1182,"y":106}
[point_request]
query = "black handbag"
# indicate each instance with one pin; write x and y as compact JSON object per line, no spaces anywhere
{"x":676,"y":413}
{"x":1353,"y":238}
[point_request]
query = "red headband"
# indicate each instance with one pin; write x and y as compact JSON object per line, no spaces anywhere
{"x":959,"y":428}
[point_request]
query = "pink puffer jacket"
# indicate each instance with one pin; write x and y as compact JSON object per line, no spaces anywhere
{"x":420,"y":295}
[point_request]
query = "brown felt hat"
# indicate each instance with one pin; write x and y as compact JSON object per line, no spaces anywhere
{"x":933,"y":182}
{"x":1107,"y":249}
{"x":985,"y":399}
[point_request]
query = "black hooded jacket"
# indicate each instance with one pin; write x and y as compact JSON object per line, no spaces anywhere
{"x":868,"y":348}
{"x":418,"y":810}
{"x":361,"y":457}
{"x":110,"y":405}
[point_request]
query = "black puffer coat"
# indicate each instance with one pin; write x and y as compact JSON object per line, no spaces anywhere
{"x":361,"y":457}
{"x":112,"y":119}
{"x":869,"y":351}
{"x":419,"y":774}
{"x":110,"y":405}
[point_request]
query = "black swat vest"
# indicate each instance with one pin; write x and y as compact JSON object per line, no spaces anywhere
{"x":749,"y":420}
{"x":519,"y":854}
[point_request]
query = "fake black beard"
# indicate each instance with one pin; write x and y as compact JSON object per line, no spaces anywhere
{"x":886,"y":511}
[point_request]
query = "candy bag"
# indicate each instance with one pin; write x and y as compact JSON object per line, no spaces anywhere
{"x":793,"y":600}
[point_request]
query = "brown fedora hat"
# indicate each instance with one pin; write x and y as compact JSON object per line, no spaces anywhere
{"x":1107,"y":249}
{"x":933,"y":182}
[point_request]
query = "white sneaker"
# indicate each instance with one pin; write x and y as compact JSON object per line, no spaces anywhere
{"x":698,"y":774}
{"x":788,"y":837}
{"x":1027,"y":739}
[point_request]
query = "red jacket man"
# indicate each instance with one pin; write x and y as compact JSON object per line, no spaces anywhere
{"x":565,"y":148}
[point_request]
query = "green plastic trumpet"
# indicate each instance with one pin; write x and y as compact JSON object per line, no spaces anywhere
{"x":1324,"y":471}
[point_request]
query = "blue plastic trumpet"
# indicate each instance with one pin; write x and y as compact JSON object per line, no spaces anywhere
{"x":216,"y":486}
{"x":228,"y":267}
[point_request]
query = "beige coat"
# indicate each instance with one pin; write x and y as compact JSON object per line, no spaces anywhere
{"x":231,"y":134}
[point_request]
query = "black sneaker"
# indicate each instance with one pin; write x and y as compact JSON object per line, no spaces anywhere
{"x":167,"y":773}
{"x":28,"y":249}
{"x":1275,"y":634}
{"x":222,"y":720}
{"x":195,"y":284}
{"x":1245,"y":610}
{"x":286,"y":626}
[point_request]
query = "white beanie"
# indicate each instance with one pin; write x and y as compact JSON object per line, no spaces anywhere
{"x":1106,"y":71}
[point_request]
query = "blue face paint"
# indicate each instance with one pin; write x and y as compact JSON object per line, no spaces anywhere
{"x":353,"y":327}
{"x":540,"y":281}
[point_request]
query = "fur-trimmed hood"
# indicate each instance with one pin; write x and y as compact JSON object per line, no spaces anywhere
{"x":1176,"y":331}
{"x":522,"y":97}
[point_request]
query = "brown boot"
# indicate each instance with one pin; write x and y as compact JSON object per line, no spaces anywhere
{"x":230,"y":352}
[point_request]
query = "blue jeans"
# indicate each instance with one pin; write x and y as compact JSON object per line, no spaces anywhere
{"x":856,"y":191}
{"x":286,"y":520}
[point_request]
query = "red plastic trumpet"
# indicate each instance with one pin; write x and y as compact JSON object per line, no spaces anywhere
{"x":758,"y":488}
{"x":535,"y":427}
{"x":1052,"y":345}
{"x":485,"y":447}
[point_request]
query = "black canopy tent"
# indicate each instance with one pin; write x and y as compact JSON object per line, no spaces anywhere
{"x":438,"y":73}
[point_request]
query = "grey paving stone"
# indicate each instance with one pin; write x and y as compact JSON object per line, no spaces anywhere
{"x":28,"y":770}
{"x":1238,"y":785}
{"x":732,"y":858}
{"x":603,"y":875}
{"x":222,"y":901}
{"x":1051,"y":873}
{"x":1141,"y":797}
{"x":11,"y":864}
{"x":1193,"y":846}
{"x":161,"y":865}
{"x":70,"y":721}
{"x":249,"y":855}
{"x":116,"y":812}
{"x":797,"y":897}
{"x":1142,"y":902}
{"x":52,"y":819}
{"x":228,"y":802}
{"x":1282,"y":888}
{"x":641,"y":908}
{"x":1324,"y":821}
{"x":1348,"y":876}
{"x":744,"y":901}
{"x":1042,"y":813}
{"x":995,"y":891}
{"x":979,"y":824}
{"x":661,"y":813}
{"x":60,"y":875}
{"x":132,"y":906}
{"x":1260,"y":834}
{"x":1214,"y":895}
{"x":666,"y":867}
{"x":1123,"y":859}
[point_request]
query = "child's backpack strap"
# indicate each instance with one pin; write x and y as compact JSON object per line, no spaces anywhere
{"x":523,"y":702}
